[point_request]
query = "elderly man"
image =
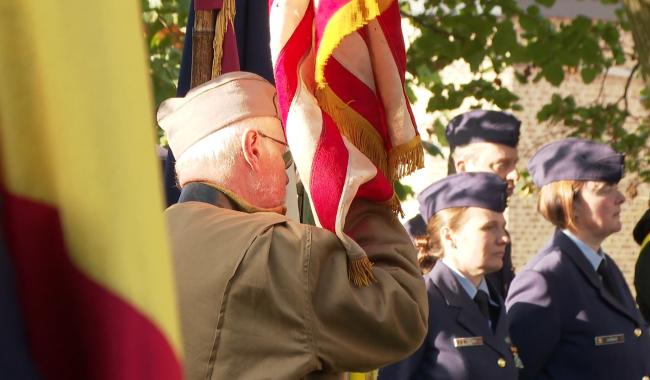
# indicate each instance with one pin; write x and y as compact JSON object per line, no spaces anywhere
{"x":262,"y":296}
{"x":483,"y":141}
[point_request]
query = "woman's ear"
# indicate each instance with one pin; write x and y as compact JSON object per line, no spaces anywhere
{"x":447,"y":237}
{"x":251,"y":148}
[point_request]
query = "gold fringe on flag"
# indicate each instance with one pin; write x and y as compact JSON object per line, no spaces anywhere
{"x":360,"y":271}
{"x":354,"y":127}
{"x":400,"y":161}
{"x":226,"y":17}
{"x":395,"y":205}
{"x":405,"y":159}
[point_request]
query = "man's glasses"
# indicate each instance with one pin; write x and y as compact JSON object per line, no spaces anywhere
{"x":286,"y":156}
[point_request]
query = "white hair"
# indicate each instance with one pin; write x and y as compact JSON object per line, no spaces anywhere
{"x":467,"y":153}
{"x":214,"y":156}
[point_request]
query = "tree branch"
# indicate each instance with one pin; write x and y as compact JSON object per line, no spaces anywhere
{"x":627,"y":87}
{"x":602,"y":85}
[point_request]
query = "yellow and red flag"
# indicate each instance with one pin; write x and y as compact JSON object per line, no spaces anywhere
{"x":81,"y":192}
{"x":339,"y":69}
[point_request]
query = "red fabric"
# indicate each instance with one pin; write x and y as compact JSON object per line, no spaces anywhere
{"x":292,"y":52}
{"x":357,"y":95}
{"x":323,"y":14}
{"x":76,"y":329}
{"x":390,"y":22}
{"x":206,"y":5}
{"x":230,"y":58}
{"x":328,"y":173}
{"x":377,"y":189}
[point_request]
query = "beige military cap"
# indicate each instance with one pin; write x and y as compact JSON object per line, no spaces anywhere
{"x":221,"y":102}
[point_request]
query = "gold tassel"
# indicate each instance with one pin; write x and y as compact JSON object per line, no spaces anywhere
{"x":405,"y":159}
{"x":395,"y":205}
{"x":360,"y":271}
{"x":226,"y":16}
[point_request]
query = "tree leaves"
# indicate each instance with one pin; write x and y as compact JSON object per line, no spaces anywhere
{"x":491,"y":36}
{"x":546,"y":3}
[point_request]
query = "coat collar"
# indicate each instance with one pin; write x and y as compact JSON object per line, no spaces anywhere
{"x":468,"y":314}
{"x":571,"y":250}
{"x":203,"y":192}
{"x":220,"y":197}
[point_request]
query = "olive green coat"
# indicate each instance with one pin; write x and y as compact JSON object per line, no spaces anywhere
{"x":264,"y":297}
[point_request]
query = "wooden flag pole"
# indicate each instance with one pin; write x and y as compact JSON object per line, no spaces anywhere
{"x":202,"y":42}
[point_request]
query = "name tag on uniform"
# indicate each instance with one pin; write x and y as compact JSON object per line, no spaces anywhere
{"x":609,"y":339}
{"x":468,"y":341}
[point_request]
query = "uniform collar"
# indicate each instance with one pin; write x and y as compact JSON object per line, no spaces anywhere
{"x":466,"y":284}
{"x":592,"y":256}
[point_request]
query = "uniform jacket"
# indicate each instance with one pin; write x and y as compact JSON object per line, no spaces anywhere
{"x":642,"y":268}
{"x":454,"y":316}
{"x":567,"y":326}
{"x":264,"y":297}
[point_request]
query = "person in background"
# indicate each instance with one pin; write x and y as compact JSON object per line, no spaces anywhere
{"x":261,"y":296}
{"x":571,"y":313}
{"x":467,"y":336}
{"x":642,"y":269}
{"x":481,"y":141}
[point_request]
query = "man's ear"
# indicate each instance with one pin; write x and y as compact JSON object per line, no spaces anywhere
{"x":251,"y":148}
{"x":460,"y":166}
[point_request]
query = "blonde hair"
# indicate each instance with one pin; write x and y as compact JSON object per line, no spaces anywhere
{"x":430,"y":248}
{"x":556,"y":202}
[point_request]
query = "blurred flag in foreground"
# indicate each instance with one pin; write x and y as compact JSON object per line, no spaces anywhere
{"x":81,"y":192}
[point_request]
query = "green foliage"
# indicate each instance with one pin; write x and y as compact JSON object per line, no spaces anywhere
{"x":164,"y":28}
{"x":403,"y":191}
{"x":491,"y":36}
{"x":603,"y":123}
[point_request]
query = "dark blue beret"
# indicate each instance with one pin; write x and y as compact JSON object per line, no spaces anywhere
{"x":478,"y":189}
{"x":483,"y":126}
{"x":416,"y":226}
{"x":575,"y":159}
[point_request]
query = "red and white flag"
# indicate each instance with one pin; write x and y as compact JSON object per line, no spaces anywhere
{"x":339,"y":71}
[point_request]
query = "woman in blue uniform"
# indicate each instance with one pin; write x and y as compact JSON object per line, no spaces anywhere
{"x":571,"y":313}
{"x":468,"y":331}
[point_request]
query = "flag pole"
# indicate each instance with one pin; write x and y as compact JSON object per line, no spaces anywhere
{"x":202,"y":42}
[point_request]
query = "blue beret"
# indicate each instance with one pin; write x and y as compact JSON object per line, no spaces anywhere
{"x":575,"y":159}
{"x":478,"y":189}
{"x":483,"y":126}
{"x":416,"y":226}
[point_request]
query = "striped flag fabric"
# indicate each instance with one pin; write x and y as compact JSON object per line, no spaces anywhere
{"x":339,"y":69}
{"x":81,"y":192}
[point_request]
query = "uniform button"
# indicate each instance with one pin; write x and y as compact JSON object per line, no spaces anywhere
{"x":502,"y":363}
{"x":645,"y":378}
{"x":637,"y":333}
